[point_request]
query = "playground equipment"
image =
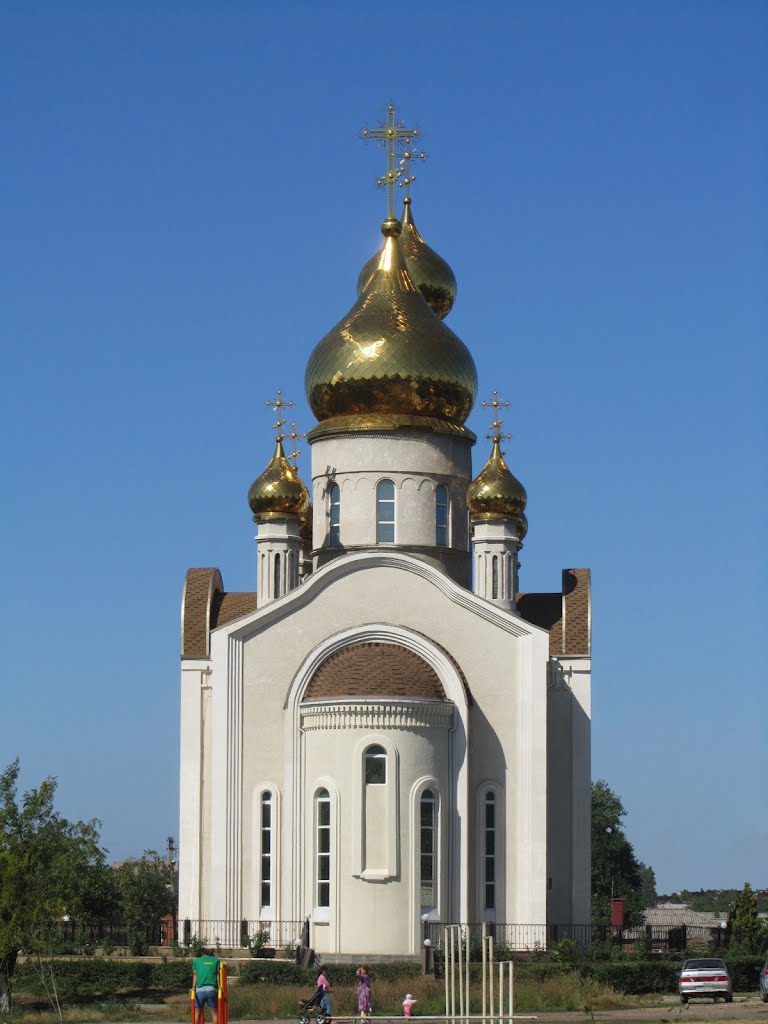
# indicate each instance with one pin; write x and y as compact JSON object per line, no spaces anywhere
{"x":222,"y":1009}
{"x":457,"y":979}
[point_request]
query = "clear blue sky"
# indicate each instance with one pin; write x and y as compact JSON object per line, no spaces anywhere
{"x":184,"y":210}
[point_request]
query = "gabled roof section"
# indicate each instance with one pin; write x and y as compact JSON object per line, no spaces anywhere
{"x":567,"y":615}
{"x":204,"y":606}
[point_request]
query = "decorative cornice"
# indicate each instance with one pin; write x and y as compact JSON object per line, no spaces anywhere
{"x":381,"y":715}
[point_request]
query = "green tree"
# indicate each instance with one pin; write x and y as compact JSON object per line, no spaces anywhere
{"x":146,"y":889}
{"x":748,"y":931}
{"x":615,"y":869}
{"x":48,"y":867}
{"x":648,"y":879}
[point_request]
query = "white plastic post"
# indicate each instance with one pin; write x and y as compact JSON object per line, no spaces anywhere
{"x":511,"y":989}
{"x":446,"y":968}
{"x":484,"y":959}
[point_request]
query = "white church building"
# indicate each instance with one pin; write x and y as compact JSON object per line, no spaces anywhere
{"x":387,"y":730}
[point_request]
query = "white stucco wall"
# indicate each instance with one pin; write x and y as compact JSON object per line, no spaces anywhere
{"x":257,"y":664}
{"x":415,"y":461}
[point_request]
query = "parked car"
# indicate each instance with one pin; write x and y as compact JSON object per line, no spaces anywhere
{"x":707,"y":977}
{"x":763,"y":982}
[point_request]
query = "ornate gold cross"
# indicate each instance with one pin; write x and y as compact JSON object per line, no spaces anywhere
{"x":296,"y":452}
{"x":407,"y":175}
{"x":394,"y":135}
{"x":496,"y":404}
{"x":278,"y":405}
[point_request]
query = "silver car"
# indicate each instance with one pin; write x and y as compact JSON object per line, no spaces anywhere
{"x":764,"y":982}
{"x":707,"y":977}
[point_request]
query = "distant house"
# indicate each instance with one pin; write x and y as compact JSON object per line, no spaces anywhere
{"x":675,"y":926}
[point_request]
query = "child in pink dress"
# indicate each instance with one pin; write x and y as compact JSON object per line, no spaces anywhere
{"x":408,"y":1004}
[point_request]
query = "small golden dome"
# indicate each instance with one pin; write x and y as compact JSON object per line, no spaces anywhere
{"x":390,"y":353}
{"x":428,"y":271}
{"x":278,"y":492}
{"x":496,"y":494}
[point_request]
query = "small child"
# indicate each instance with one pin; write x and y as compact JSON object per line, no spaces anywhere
{"x":408,"y":1004}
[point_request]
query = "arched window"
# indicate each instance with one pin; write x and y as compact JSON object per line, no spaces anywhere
{"x":489,"y":846}
{"x":428,"y":851}
{"x":375,"y":766}
{"x":266,"y":849}
{"x":495,"y":577}
{"x":385,"y":512}
{"x":441,"y":516}
{"x":277,"y":576}
{"x":334,"y":499}
{"x":323,"y":853}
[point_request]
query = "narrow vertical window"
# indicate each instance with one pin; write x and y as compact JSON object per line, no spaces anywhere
{"x":428,"y":851}
{"x":323,"y":862}
{"x":266,"y":850}
{"x":277,"y":576}
{"x":441,"y":516}
{"x":375,"y":766}
{"x":495,"y":577}
{"x":385,"y":512}
{"x":490,"y":851}
{"x":334,"y":498}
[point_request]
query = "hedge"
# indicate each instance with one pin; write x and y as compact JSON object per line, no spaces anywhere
{"x":92,"y":977}
{"x":281,"y":972}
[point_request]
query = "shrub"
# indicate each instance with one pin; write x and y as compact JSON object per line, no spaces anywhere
{"x":93,"y":977}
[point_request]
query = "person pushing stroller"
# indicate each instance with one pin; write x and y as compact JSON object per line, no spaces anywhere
{"x":319,"y":1001}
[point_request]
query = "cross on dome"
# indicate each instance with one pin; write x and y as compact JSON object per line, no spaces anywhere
{"x":496,"y":403}
{"x":278,"y":405}
{"x":296,"y":452}
{"x":397,"y":138}
{"x":407,"y":175}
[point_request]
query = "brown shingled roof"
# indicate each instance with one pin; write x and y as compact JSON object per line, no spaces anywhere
{"x":375,"y":670}
{"x":228,"y":607}
{"x":566,"y":615}
{"x":204,"y":606}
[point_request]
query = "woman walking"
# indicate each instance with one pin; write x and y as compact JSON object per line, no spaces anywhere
{"x":363,"y":975}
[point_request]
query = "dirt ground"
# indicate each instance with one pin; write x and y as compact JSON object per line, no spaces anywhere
{"x":743,"y":1010}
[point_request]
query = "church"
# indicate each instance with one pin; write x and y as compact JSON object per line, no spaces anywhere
{"x":387,"y":731}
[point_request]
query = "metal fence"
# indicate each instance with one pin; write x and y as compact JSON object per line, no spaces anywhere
{"x":540,"y":937}
{"x":269,"y":935}
{"x":118,"y":933}
{"x":514,"y":937}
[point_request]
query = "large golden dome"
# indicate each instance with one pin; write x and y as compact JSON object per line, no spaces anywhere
{"x":278,"y":492}
{"x":496,"y":494}
{"x":390,"y":355}
{"x":428,"y":271}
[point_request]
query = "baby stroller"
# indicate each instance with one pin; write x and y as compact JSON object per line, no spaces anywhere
{"x":310,"y":1010}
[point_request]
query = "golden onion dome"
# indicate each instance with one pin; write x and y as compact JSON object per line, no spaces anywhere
{"x":496,"y":494}
{"x":390,"y":355}
{"x":428,"y":271}
{"x":278,"y":492}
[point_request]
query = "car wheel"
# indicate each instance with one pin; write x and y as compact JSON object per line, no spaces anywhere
{"x":683,"y":999}
{"x":729,"y":997}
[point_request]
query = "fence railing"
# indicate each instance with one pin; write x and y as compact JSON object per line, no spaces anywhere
{"x":118,"y":933}
{"x":281,"y":935}
{"x":533,"y":937}
{"x":231,"y":934}
{"x":514,"y":937}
